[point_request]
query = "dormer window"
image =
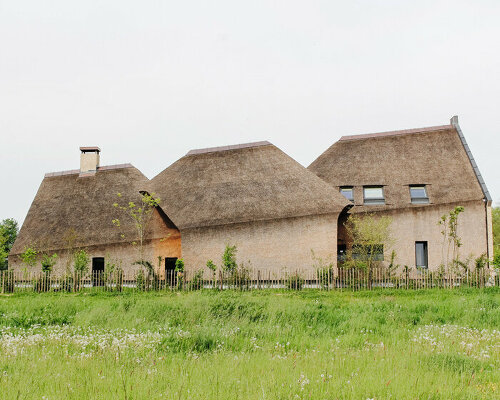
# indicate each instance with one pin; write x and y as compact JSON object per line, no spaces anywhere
{"x":418,"y":194}
{"x":373,"y":195}
{"x":347,"y":192}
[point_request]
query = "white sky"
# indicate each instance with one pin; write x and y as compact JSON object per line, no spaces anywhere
{"x":149,"y":80}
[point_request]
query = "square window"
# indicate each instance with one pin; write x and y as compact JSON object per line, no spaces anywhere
{"x":418,"y":194}
{"x":373,"y":195}
{"x":347,"y":192}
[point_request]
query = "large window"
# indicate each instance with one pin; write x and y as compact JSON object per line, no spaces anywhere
{"x":418,"y":194}
{"x":373,"y":195}
{"x":348,"y":192}
{"x":421,"y":257}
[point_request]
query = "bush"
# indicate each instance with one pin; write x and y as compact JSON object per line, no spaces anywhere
{"x":295,"y":282}
{"x":196,"y":282}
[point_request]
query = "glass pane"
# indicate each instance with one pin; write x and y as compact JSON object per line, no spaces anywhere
{"x":374,"y":193}
{"x":347,"y":192}
{"x":421,"y":254}
{"x":418,"y":192}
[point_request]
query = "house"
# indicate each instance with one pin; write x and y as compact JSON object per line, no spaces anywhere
{"x":273,"y":209}
{"x":73,"y":210}
{"x":253,"y":196}
{"x":413,"y":176}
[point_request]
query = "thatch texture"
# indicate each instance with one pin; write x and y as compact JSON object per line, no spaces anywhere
{"x":72,"y":210}
{"x":239,"y":184}
{"x":432,"y":156}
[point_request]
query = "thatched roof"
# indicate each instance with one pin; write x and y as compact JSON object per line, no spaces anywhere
{"x":70,"y":207}
{"x":432,"y":156}
{"x":232,"y":184}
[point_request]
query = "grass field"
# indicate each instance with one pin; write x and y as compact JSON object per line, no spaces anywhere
{"x":261,"y":345}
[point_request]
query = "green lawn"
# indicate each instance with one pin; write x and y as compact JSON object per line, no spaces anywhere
{"x":261,"y":345}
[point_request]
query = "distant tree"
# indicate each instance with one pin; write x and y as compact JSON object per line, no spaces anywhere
{"x":496,"y":229}
{"x":368,"y":234}
{"x":8,"y":234}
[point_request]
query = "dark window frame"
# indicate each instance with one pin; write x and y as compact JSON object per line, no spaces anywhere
{"x":374,"y":200}
{"x":425,"y":249}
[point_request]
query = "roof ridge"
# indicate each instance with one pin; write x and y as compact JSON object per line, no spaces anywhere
{"x":77,"y":171}
{"x":396,"y":133}
{"x":227,"y":148}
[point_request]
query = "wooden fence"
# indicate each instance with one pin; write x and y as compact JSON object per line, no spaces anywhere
{"x":343,"y":279}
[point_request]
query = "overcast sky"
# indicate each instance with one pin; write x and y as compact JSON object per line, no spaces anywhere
{"x":149,"y":80}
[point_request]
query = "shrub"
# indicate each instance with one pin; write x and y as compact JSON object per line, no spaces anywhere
{"x":295,"y":282}
{"x":196,"y":282}
{"x":229,"y":258}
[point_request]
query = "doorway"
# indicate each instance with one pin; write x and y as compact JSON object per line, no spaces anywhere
{"x":170,"y":275}
{"x":98,"y":271}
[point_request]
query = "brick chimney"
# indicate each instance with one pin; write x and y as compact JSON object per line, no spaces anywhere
{"x":89,"y":159}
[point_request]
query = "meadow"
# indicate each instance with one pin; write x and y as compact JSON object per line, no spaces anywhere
{"x":390,"y":344}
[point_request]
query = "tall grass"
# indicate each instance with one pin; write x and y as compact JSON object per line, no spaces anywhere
{"x":258,"y":345}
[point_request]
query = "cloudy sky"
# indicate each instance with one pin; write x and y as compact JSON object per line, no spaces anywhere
{"x":149,"y":80}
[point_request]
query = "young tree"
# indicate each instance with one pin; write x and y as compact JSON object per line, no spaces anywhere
{"x":229,"y":259}
{"x":8,"y":234}
{"x":81,"y":261}
{"x":368,"y":234}
{"x":140,"y":215}
{"x":29,"y":256}
{"x":48,"y":262}
{"x":451,"y":239}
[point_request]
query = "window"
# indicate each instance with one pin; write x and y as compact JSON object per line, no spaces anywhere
{"x":373,"y":195}
{"x":418,"y":194}
{"x":421,"y":254}
{"x":98,"y":271}
{"x":348,"y":192}
{"x":361,"y":252}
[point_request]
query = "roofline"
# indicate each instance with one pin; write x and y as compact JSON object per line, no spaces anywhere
{"x":77,"y":171}
{"x":482,"y":183}
{"x":85,"y":149}
{"x":227,"y":148}
{"x":394,"y":133}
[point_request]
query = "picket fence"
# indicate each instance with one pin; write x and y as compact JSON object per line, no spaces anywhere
{"x":342,"y":279}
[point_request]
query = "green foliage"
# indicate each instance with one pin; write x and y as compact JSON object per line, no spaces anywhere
{"x":294,"y":282}
{"x":8,"y":234}
{"x":48,"y":262}
{"x":81,"y":261}
{"x":196,"y":282}
{"x":368,"y":234}
{"x":211,"y":266}
{"x":29,"y":256}
{"x":295,"y":344}
{"x":495,"y":213}
{"x":451,"y":239}
{"x":147,"y":265}
{"x":179,"y":265}
{"x":480,"y":262}
{"x":229,"y":258}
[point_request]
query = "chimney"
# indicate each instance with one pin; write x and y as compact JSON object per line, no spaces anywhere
{"x":454,"y":120}
{"x":89,"y":159}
